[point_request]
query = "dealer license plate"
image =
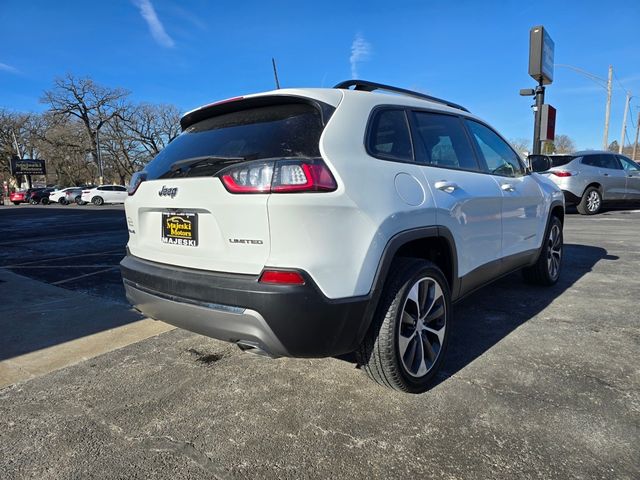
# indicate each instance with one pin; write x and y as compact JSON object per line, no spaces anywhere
{"x":180,"y":228}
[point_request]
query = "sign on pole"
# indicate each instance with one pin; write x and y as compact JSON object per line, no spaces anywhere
{"x":27,"y":166}
{"x":547,"y":123}
{"x":541,"y":49}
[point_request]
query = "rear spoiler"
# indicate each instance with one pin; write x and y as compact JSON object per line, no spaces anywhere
{"x":237,"y":104}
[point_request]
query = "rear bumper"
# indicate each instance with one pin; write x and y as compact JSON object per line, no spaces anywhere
{"x":570,"y":198}
{"x":282,"y":320}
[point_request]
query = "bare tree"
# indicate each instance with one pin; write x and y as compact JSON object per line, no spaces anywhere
{"x":564,"y":144}
{"x":154,"y":125}
{"x":94,"y":105}
{"x":521,"y":144}
{"x":138,"y":134}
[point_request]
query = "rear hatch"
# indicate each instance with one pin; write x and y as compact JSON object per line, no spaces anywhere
{"x":181,"y":212}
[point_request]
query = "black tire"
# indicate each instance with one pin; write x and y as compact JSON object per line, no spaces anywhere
{"x":97,"y":201}
{"x":16,"y":203}
{"x":591,"y":202}
{"x":63,"y":201}
{"x":380,"y":352}
{"x":79,"y":201}
{"x":44,"y":201}
{"x":546,"y":270}
{"x":33,"y":201}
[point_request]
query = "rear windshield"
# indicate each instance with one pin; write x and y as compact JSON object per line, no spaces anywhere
{"x":560,"y":160}
{"x":290,"y":130}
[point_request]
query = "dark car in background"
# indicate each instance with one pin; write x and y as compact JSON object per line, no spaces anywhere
{"x":38,"y":195}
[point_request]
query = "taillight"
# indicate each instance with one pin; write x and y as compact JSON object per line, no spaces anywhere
{"x":562,"y":173}
{"x":279,"y":176}
{"x":86,"y":191}
{"x":136,"y":179}
{"x":283,"y":277}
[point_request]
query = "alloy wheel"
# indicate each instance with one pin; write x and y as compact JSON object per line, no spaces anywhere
{"x":554,"y":255}
{"x":421,"y":328}
{"x":593,"y":201}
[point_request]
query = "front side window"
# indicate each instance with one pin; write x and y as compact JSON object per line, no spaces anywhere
{"x":389,"y":136}
{"x":443,"y":142}
{"x":628,"y":165}
{"x":498,"y":155}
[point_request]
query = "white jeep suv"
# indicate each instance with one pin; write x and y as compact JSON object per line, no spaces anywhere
{"x":318,"y":222}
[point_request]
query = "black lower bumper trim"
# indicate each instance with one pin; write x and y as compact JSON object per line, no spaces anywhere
{"x":304,"y":321}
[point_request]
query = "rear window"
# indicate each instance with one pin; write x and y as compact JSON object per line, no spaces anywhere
{"x":560,"y":160}
{"x":274,"y":131}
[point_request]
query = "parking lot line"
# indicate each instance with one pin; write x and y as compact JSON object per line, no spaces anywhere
{"x":85,"y":275}
{"x":64,"y":257}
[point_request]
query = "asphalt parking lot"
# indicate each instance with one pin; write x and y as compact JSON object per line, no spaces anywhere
{"x":538,"y":383}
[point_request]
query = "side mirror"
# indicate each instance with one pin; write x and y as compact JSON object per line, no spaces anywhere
{"x":539,"y":163}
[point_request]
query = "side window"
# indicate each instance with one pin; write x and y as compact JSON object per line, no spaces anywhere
{"x":389,"y":136}
{"x":442,"y":141}
{"x":102,"y":189}
{"x":610,"y":161}
{"x":498,"y":155}
{"x":628,"y":165}
{"x":591,"y":160}
{"x":119,"y":189}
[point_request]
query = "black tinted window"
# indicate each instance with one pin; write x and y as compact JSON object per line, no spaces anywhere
{"x":498,"y":155}
{"x":389,"y":135}
{"x":290,"y":130}
{"x":443,"y":142}
{"x":610,"y":161}
{"x":119,"y":189}
{"x":601,"y":161}
{"x":560,"y":160}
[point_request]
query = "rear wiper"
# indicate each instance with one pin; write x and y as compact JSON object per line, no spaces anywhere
{"x":193,"y":161}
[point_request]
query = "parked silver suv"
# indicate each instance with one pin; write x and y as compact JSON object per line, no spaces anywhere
{"x":590,"y":178}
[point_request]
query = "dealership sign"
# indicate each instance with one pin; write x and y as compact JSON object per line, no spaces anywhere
{"x":27,"y":166}
{"x":541,"y":49}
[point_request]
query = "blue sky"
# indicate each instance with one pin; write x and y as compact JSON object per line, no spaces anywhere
{"x":193,"y":52}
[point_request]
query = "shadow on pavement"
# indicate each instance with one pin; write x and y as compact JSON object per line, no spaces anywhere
{"x":493,"y":312}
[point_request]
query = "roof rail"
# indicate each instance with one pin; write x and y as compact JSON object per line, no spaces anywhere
{"x":366,"y":86}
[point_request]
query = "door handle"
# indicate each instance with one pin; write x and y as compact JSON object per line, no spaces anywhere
{"x":445,"y":186}
{"x":507,"y":187}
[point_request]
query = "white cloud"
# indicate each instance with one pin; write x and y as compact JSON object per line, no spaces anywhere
{"x":360,"y":52}
{"x":7,"y":68}
{"x":155,"y":25}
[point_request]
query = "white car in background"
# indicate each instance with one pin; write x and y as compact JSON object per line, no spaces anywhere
{"x":65,"y":196}
{"x":105,"y":194}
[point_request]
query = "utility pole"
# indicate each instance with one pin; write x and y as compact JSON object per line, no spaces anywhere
{"x":605,"y":141}
{"x":624,"y":123}
{"x":275,"y":72}
{"x":635,"y":143}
